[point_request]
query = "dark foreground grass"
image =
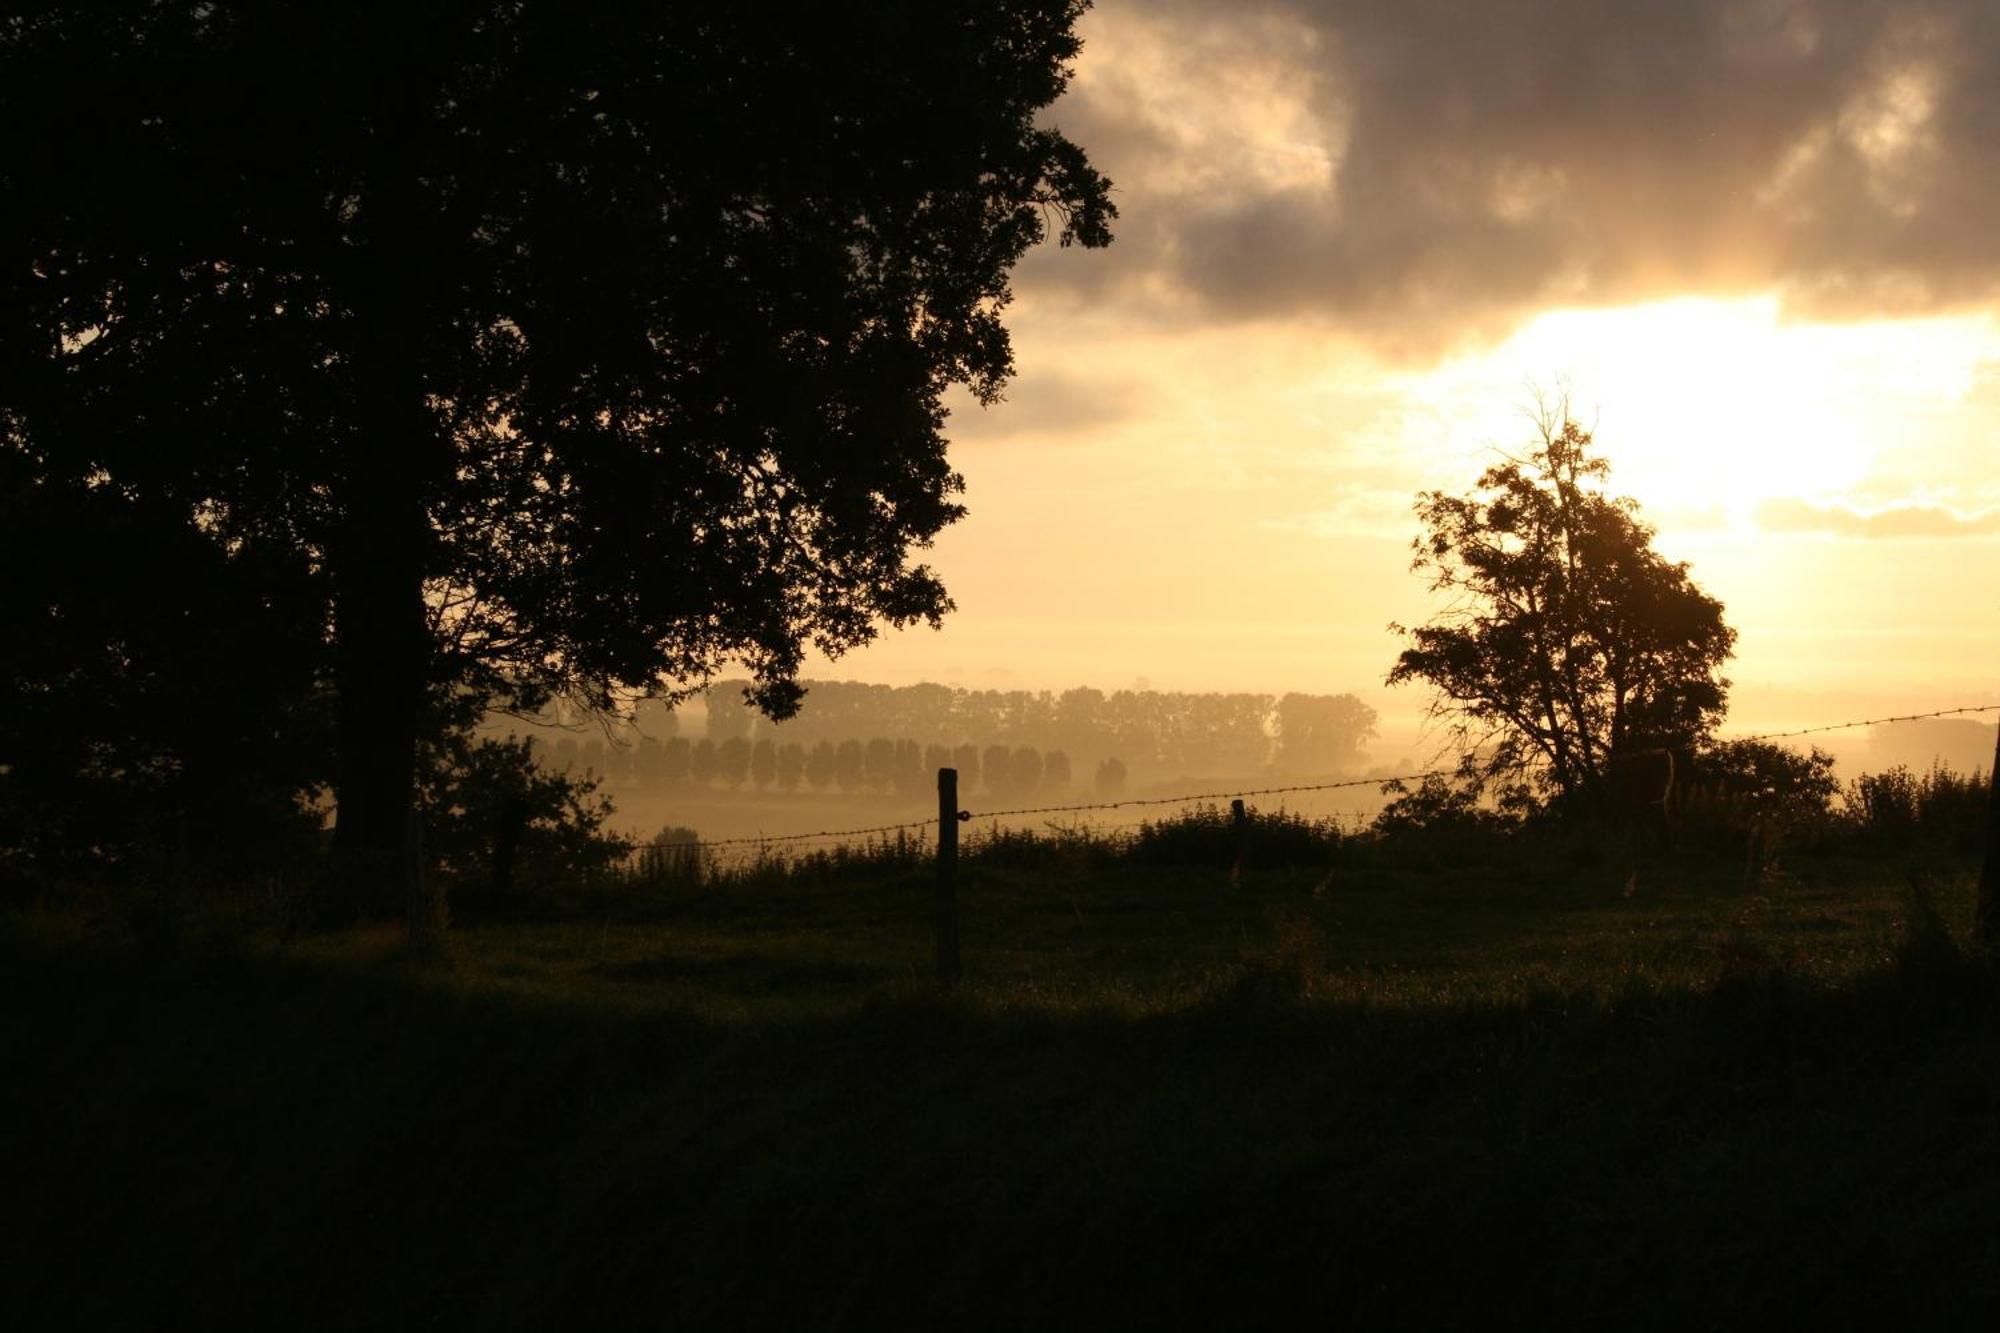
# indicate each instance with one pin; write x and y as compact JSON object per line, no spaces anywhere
{"x":1466,"y":1097}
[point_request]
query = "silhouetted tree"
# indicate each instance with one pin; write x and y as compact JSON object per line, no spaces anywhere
{"x":791,"y":766}
{"x":1321,"y":733}
{"x":570,"y":347}
{"x":497,"y":827}
{"x":965,"y":758}
{"x":936,"y":757}
{"x":820,"y":765}
{"x":997,"y":765}
{"x":879,"y":763}
{"x":617,"y":759}
{"x":676,"y":761}
{"x":909,"y":767}
{"x":655,"y":718}
{"x":727,"y":716}
{"x":1055,"y":771}
{"x":732,"y":761}
{"x":707,"y":763}
{"x":1110,"y":779}
{"x":763,"y":763}
{"x":1024,"y":770}
{"x":849,"y":764}
{"x":1571,"y":642}
{"x":649,"y":762}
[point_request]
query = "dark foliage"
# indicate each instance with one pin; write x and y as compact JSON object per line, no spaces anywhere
{"x":504,"y":833}
{"x":558,"y":346}
{"x":163,"y":716}
{"x":1208,"y":837}
{"x":1900,"y":807}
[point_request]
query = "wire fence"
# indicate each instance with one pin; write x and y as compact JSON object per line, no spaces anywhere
{"x":924,"y":830}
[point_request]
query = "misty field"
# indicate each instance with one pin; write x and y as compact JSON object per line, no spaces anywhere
{"x":1400,"y":1090}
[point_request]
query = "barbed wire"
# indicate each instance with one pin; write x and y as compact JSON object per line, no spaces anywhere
{"x":1133,"y":802}
{"x":790,"y":837}
{"x":1205,"y":796}
{"x":1868,"y":722}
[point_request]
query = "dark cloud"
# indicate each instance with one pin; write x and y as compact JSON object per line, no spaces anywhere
{"x":1796,"y":517}
{"x":1486,"y":158}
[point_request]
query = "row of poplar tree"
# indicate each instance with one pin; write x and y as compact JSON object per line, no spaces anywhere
{"x":904,"y":767}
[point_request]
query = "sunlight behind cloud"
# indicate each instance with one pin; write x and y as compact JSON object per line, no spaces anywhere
{"x":1704,"y":405}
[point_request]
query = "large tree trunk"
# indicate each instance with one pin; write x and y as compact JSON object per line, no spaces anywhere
{"x":382,"y":646}
{"x":381,"y":663}
{"x":382,"y":658}
{"x":1987,"y":923}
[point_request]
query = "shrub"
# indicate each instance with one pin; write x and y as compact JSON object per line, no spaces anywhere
{"x":1899,"y":807}
{"x":502,"y":831}
{"x":1206,"y":836}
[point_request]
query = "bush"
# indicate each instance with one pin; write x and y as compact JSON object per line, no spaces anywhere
{"x":1755,"y":796}
{"x":1439,"y":810}
{"x":674,"y":853}
{"x":1900,"y":807}
{"x":1206,"y":836}
{"x":501,"y":831}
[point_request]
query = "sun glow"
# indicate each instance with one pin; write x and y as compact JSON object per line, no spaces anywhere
{"x":1708,"y":408}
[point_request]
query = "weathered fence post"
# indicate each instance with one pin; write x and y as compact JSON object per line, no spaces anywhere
{"x":947,"y":878}
{"x":1986,"y":925}
{"x":1239,"y":836}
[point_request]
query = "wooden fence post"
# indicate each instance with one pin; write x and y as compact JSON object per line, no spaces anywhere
{"x":1239,"y":835}
{"x":1986,"y":924}
{"x":947,"y":878}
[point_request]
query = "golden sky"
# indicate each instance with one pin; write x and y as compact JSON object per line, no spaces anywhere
{"x":1755,"y":239}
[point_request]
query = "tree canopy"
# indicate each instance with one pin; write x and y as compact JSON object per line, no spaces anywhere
{"x":1568,"y":645}
{"x":569,"y":346}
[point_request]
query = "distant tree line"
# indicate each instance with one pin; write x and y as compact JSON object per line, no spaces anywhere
{"x":902,"y":767}
{"x":1154,"y":733}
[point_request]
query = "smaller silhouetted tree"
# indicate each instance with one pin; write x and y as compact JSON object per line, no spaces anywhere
{"x":763,"y":763}
{"x":676,"y":761}
{"x":850,"y":765}
{"x":1055,"y":771}
{"x":791,"y":765}
{"x":1024,"y":771}
{"x":1569,"y":646}
{"x":965,"y":759}
{"x":909,"y":767}
{"x":936,"y":757}
{"x":732,"y":759}
{"x":879,"y":764}
{"x":728,"y":715}
{"x":706,"y":762}
{"x":821,"y":764}
{"x":650,"y":762}
{"x":655,"y":718}
{"x":1110,"y":779}
{"x":997,"y":765}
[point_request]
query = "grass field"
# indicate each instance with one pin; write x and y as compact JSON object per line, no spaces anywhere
{"x":1529,"y":1088}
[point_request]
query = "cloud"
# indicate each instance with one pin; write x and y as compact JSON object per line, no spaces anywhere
{"x":1798,"y":518}
{"x":1044,"y":403}
{"x":1355,"y":513}
{"x":1417,"y":171}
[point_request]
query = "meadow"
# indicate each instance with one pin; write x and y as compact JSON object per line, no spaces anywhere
{"x":1466,"y":1080}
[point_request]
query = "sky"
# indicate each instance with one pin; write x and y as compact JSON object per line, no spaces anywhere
{"x":1753,"y":242}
